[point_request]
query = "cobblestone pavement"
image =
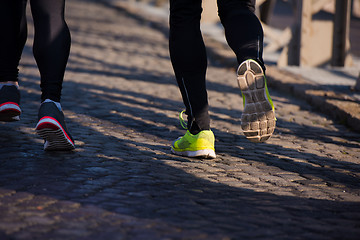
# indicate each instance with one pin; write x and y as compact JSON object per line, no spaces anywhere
{"x":122,"y":104}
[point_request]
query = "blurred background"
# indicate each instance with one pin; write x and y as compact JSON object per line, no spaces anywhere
{"x":309,"y":37}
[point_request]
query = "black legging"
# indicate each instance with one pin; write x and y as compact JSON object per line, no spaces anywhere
{"x":51,"y":45}
{"x":243,"y":33}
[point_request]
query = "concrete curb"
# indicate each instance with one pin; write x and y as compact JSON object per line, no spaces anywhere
{"x":338,"y":106}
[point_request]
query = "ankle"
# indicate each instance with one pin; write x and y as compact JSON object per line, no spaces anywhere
{"x":195,"y":128}
{"x":9,"y":83}
{"x":58,"y":105}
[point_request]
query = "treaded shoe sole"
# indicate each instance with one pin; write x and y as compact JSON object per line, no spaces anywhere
{"x":258,"y":118}
{"x":204,"y":153}
{"x":54,"y":135}
{"x":9,"y":112}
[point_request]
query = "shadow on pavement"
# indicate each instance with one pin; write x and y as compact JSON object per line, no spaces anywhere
{"x":139,"y":178}
{"x":123,"y":166}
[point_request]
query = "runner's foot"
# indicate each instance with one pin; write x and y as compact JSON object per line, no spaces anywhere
{"x":258,"y":118}
{"x":52,"y":128}
{"x":9,"y":103}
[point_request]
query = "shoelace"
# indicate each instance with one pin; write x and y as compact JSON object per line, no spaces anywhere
{"x":182,"y":121}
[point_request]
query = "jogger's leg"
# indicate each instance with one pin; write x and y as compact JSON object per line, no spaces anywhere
{"x":245,"y":36}
{"x":51,"y":45}
{"x":189,"y":60}
{"x":13,"y":37}
{"x":243,"y":29}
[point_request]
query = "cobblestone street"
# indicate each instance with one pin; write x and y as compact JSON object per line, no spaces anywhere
{"x":121,"y":104}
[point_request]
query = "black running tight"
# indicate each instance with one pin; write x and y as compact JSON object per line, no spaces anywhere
{"x":243,"y":33}
{"x":51,"y":45}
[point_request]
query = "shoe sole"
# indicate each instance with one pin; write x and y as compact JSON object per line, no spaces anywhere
{"x":54,"y":135}
{"x":204,"y":153}
{"x":258,"y":118}
{"x":9,"y":112}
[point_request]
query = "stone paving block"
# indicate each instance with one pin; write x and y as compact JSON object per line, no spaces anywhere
{"x":121,"y":104}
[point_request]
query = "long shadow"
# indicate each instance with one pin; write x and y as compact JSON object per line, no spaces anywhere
{"x":151,"y":128}
{"x":116,"y":171}
{"x":139,"y":184}
{"x":159,"y":78}
{"x":118,"y":38}
{"x":138,"y":111}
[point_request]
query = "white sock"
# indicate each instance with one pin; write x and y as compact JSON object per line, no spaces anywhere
{"x":9,"y":84}
{"x":56,"y":103}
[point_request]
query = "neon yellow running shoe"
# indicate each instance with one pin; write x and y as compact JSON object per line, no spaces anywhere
{"x":200,"y":145}
{"x":258,"y":118}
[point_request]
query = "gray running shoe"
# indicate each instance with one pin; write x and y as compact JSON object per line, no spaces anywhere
{"x":9,"y":103}
{"x":52,"y":128}
{"x":258,"y":118}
